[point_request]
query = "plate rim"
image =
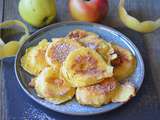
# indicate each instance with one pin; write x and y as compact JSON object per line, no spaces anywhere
{"x":100,"y":26}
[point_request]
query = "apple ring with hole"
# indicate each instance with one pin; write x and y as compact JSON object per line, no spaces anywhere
{"x":124,"y":64}
{"x":98,"y":94}
{"x":84,"y":67}
{"x":33,"y":60}
{"x":49,"y":86}
{"x":58,"y":50}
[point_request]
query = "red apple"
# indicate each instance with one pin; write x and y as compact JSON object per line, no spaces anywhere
{"x":88,"y":10}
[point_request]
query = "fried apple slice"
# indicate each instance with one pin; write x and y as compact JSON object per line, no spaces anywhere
{"x":49,"y":86}
{"x":92,"y":40}
{"x":124,"y":64}
{"x":58,"y":50}
{"x":33,"y":60}
{"x":84,"y":67}
{"x":102,"y":47}
{"x":96,"y":95}
{"x":79,"y":34}
{"x":124,"y":92}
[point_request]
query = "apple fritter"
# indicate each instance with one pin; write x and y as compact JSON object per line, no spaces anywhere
{"x":84,"y":67}
{"x":58,"y":50}
{"x":33,"y":60}
{"x":49,"y":86}
{"x":124,"y":64}
{"x":101,"y":46}
{"x":79,"y":34}
{"x":93,"y":41}
{"x":98,"y":94}
{"x":124,"y":92}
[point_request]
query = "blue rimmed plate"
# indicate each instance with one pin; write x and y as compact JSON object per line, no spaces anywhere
{"x":59,"y":30}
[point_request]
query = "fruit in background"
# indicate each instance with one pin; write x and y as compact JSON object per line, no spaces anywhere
{"x":37,"y":12}
{"x":88,"y":10}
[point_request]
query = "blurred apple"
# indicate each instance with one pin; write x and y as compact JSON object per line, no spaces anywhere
{"x":88,"y":10}
{"x":38,"y":13}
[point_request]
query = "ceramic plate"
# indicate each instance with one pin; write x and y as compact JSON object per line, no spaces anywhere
{"x":59,"y":30}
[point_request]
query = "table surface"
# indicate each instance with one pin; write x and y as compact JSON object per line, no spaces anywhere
{"x":148,"y":43}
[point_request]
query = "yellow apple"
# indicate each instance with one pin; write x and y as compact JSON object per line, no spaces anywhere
{"x":38,"y":13}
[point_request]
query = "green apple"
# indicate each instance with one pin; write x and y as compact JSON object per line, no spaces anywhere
{"x":38,"y":13}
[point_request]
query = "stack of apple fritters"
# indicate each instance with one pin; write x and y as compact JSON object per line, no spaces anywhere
{"x":80,"y":64}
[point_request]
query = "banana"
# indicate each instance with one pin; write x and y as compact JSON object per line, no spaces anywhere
{"x":98,"y":94}
{"x":58,"y":50}
{"x":49,"y":86}
{"x":84,"y":67}
{"x":124,"y":64}
{"x":33,"y":60}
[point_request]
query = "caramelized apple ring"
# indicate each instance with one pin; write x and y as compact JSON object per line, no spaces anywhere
{"x":101,"y":46}
{"x":58,"y":50}
{"x":124,"y":64}
{"x":84,"y":67}
{"x":93,"y":41}
{"x":98,"y":94}
{"x":49,"y":86}
{"x":33,"y":60}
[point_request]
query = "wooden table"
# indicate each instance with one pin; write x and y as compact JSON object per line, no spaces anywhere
{"x":149,"y":45}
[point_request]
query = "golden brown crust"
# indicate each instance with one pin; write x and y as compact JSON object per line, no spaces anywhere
{"x":33,"y":60}
{"x":96,"y":95}
{"x":84,"y":67}
{"x":93,"y":41}
{"x":58,"y":50}
{"x":124,"y":92}
{"x":124,"y":64}
{"x":49,"y":86}
{"x":77,"y":34}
